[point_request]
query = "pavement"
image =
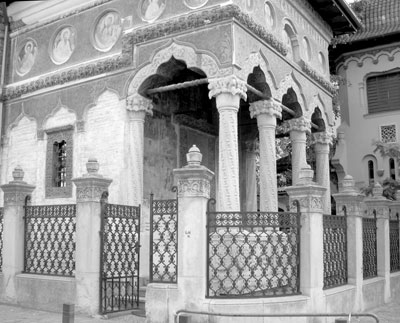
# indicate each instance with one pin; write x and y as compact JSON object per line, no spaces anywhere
{"x":389,"y":313}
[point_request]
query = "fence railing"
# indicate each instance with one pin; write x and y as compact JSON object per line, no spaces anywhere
{"x":370,"y":261}
{"x":50,"y":239}
{"x":335,"y":250}
{"x":394,"y":238}
{"x":1,"y":238}
{"x":253,"y":254}
{"x":163,"y":240}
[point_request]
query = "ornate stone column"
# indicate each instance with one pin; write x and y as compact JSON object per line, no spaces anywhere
{"x":137,"y":107}
{"x":15,"y":193}
{"x":321,"y":141}
{"x":298,"y":129}
{"x":89,"y":190}
{"x":266,"y":112}
{"x":309,"y":196}
{"x":348,"y":203}
{"x":380,"y":205}
{"x":228,"y":91}
{"x":250,"y":201}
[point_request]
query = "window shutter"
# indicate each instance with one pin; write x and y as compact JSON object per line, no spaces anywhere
{"x":383,"y":92}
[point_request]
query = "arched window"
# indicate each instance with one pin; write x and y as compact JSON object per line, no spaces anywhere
{"x":60,"y":164}
{"x":371,"y":172}
{"x":392,"y":170}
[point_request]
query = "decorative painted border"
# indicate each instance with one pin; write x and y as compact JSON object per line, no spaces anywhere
{"x":317,"y":77}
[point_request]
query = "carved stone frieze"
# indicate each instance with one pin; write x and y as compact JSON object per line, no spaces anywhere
{"x":268,"y":107}
{"x":137,"y":102}
{"x":193,"y":187}
{"x":15,"y":193}
{"x":230,"y":84}
{"x":307,"y":204}
{"x":90,"y":189}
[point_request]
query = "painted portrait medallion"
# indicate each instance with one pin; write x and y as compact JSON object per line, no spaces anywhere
{"x":194,"y":4}
{"x":26,"y":57}
{"x":107,"y":30}
{"x":63,"y":45}
{"x":150,"y":10}
{"x":269,"y":16}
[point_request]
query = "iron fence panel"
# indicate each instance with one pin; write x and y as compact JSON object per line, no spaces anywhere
{"x":394,"y":233}
{"x":253,"y":254}
{"x":335,"y":250}
{"x":370,"y":262}
{"x":120,"y":245}
{"x":163,"y":240}
{"x":1,"y":239}
{"x":50,"y":239}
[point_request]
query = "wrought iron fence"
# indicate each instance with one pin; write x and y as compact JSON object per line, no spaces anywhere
{"x":163,"y":240}
{"x":50,"y":239}
{"x":253,"y":254}
{"x":394,"y":244}
{"x":335,"y":250}
{"x":119,"y":257}
{"x":1,"y":238}
{"x":370,"y":261}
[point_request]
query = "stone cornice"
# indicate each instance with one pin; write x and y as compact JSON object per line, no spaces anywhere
{"x":268,"y":107}
{"x":230,"y":84}
{"x":327,"y":85}
{"x":66,"y":76}
{"x":198,"y":19}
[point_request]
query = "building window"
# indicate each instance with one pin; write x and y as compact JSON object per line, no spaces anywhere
{"x":388,"y":133}
{"x":383,"y":92}
{"x":371,"y":172}
{"x":59,"y":162}
{"x":392,"y":170}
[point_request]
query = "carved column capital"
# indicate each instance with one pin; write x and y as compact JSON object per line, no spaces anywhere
{"x":228,"y":85}
{"x":323,"y":138}
{"x":268,"y":107}
{"x":252,"y":146}
{"x":137,"y":103}
{"x":301,"y":124}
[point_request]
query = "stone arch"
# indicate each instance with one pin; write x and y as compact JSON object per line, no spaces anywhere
{"x":289,"y":81}
{"x":193,"y":59}
{"x":258,"y":59}
{"x":61,"y":115}
{"x":326,"y":113}
{"x":365,"y":170}
{"x":318,"y":120}
{"x":17,"y":120}
{"x":290,"y":30}
{"x":104,"y":91}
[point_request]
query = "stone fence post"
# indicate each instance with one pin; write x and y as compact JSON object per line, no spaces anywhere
{"x":310,"y":196}
{"x":89,"y":190}
{"x":348,"y":202}
{"x":380,"y":205}
{"x":15,"y":193}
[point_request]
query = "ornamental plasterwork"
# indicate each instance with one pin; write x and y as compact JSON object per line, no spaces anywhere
{"x":138,"y":103}
{"x":230,"y":84}
{"x":193,"y":187}
{"x":181,"y":52}
{"x":269,"y":107}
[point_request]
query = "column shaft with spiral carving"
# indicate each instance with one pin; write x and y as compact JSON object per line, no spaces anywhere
{"x":137,"y":107}
{"x":228,"y":92}
{"x":266,"y":112}
{"x":321,"y":142}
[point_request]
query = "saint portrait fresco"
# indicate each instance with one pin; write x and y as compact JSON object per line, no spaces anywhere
{"x":26,"y":57}
{"x":107,"y":31}
{"x":63,"y":45}
{"x":150,"y":10}
{"x":194,"y":4}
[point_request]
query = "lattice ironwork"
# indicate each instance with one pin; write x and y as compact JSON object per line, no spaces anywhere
{"x":1,"y":238}
{"x":253,"y":254}
{"x":50,"y":239}
{"x":370,"y":261}
{"x":120,"y":237}
{"x":163,"y":240}
{"x":394,"y":233}
{"x":335,"y":250}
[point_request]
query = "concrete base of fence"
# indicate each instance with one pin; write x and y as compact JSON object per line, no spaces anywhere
{"x":161,"y":302}
{"x":373,"y":292}
{"x":395,"y":285}
{"x":42,"y":292}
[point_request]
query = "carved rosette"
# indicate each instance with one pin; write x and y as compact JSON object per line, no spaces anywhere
{"x":196,"y":187}
{"x":230,"y":84}
{"x":268,"y":107}
{"x":138,"y":103}
{"x":302,"y":124}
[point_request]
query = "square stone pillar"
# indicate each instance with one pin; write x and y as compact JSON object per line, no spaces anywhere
{"x":309,"y":195}
{"x":89,"y":190}
{"x":349,"y":203}
{"x":379,"y":206}
{"x":15,"y":195}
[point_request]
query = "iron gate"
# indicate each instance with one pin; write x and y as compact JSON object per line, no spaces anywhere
{"x":163,"y":240}
{"x":119,"y":256}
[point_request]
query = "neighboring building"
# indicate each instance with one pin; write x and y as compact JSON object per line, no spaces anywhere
{"x":369,"y":65}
